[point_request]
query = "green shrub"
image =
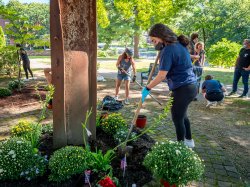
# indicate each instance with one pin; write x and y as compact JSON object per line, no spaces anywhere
{"x":66,"y":162}
{"x":8,"y":60}
{"x":17,"y":160}
{"x":4,"y":92}
{"x":174,"y":162}
{"x":47,"y":129}
{"x":112,"y":123}
{"x":14,"y":85}
{"x":121,"y":135}
{"x":29,"y":131}
{"x":223,"y":53}
{"x":101,"y":53}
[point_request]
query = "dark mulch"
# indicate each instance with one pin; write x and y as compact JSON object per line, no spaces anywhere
{"x":19,"y":98}
{"x":135,"y":171}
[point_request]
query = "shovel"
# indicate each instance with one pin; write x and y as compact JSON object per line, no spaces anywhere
{"x":140,"y":102}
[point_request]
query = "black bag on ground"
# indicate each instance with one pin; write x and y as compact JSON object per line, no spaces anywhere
{"x":110,"y":104}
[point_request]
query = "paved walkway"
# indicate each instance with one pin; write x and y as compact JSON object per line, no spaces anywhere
{"x":219,"y":170}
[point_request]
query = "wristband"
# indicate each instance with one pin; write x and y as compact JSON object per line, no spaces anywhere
{"x":148,"y":88}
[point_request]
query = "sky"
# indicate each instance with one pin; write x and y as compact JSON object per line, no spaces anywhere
{"x":29,"y":1}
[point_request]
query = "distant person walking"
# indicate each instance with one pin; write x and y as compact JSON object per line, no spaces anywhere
{"x":26,"y":62}
{"x":242,"y":69}
{"x":125,"y":64}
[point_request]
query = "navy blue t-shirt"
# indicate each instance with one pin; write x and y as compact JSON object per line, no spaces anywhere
{"x":175,"y":59}
{"x":212,"y":86}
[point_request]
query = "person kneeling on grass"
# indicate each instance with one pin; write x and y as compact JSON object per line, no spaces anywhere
{"x":213,"y":90}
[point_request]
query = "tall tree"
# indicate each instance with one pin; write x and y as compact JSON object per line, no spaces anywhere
{"x":142,"y":14}
{"x":19,"y":27}
{"x":215,"y":20}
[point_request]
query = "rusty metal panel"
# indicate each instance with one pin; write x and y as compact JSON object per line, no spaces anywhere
{"x":57,"y":59}
{"x":78,"y":49}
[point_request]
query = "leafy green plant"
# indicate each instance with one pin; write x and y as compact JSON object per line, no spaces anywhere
{"x":66,"y":162}
{"x":8,"y":60}
{"x":101,"y":163}
{"x":4,"y":92}
{"x":17,"y":160}
{"x":29,"y":131}
{"x":121,"y":135}
{"x":112,"y":123}
{"x":174,"y":163}
{"x":47,"y":129}
{"x":223,"y":53}
{"x":15,"y":85}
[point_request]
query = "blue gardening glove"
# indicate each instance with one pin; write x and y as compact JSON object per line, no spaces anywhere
{"x":144,"y":93}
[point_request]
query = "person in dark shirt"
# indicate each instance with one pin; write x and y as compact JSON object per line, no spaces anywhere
{"x":175,"y":66}
{"x":26,"y":62}
{"x":212,"y":90}
{"x":242,"y":69}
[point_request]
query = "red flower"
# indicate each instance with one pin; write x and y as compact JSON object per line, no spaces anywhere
{"x":106,"y":182}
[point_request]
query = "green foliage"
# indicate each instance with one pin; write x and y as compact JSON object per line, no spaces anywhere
{"x":17,"y":160}
{"x":29,"y":131}
{"x":112,"y":123}
{"x":4,"y":92}
{"x":100,"y":163}
{"x":66,"y":162}
{"x":121,"y":135}
{"x":102,"y":15}
{"x":2,"y":38}
{"x":174,"y":162}
{"x":15,"y":84}
{"x":8,"y":60}
{"x":223,"y":53}
{"x":47,"y":129}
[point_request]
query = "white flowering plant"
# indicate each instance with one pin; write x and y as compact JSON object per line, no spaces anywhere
{"x":121,"y":135}
{"x":17,"y":160}
{"x":66,"y":162}
{"x":174,"y":163}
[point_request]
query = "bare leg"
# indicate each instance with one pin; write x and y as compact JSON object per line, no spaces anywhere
{"x":127,"y":83}
{"x":118,"y":85}
{"x":48,"y":75}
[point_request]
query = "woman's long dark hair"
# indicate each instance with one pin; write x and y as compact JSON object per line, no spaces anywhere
{"x":160,"y":30}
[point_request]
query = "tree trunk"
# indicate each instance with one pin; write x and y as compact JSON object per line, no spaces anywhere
{"x":136,"y":45}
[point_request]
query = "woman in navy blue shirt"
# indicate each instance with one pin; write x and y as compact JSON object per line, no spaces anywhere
{"x":176,"y":67}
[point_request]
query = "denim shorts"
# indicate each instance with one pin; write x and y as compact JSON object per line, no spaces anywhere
{"x":123,"y":77}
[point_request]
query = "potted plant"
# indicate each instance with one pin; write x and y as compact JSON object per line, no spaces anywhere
{"x":173,"y":163}
{"x":141,"y":121}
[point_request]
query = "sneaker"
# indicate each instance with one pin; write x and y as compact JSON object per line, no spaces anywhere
{"x":189,"y":143}
{"x":116,"y":97}
{"x":243,"y":96}
{"x":231,"y":93}
{"x":25,"y":80}
{"x":211,"y":103}
{"x":126,"y":101}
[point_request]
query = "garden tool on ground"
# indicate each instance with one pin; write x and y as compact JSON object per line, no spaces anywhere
{"x":124,"y":71}
{"x":140,"y":103}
